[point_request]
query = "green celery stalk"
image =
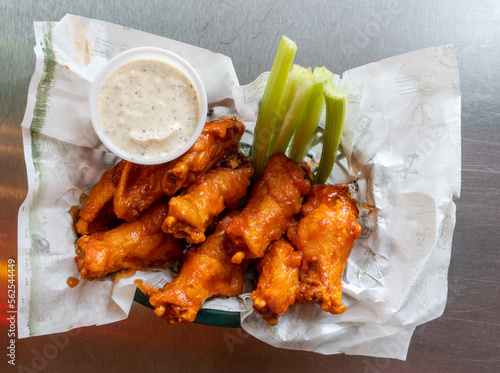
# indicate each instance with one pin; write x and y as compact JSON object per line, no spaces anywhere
{"x":291,"y":109}
{"x":271,"y":99}
{"x":308,"y":123}
{"x":336,"y":102}
{"x":322,"y":74}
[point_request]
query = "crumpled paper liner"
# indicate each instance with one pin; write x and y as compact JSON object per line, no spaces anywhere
{"x":400,"y":153}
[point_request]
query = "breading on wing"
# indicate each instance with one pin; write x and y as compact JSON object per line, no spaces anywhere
{"x":132,"y":245}
{"x":275,"y":198}
{"x":278,"y":281}
{"x":96,"y":213}
{"x":193,"y":211}
{"x":325,"y":238}
{"x":206,"y":271}
{"x":218,"y":138}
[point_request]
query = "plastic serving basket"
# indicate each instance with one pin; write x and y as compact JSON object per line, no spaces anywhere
{"x":207,"y":317}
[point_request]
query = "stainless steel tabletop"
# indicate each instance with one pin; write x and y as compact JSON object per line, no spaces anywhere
{"x":340,"y":35}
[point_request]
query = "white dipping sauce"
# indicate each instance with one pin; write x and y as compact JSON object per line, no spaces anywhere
{"x":148,"y":108}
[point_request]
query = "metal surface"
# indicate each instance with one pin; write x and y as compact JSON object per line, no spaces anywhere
{"x":340,"y":35}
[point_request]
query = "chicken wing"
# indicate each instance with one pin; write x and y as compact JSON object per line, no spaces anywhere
{"x":218,"y":138}
{"x":278,"y":281}
{"x":132,"y":245}
{"x":97,"y":213}
{"x":206,"y":271}
{"x":141,"y":185}
{"x":325,"y":237}
{"x":274,"y":200}
{"x":193,"y":211}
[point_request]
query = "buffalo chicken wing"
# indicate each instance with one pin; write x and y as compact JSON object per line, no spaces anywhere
{"x":206,"y":271}
{"x":278,"y":281}
{"x":141,"y":185}
{"x":132,"y":245}
{"x":218,"y":138}
{"x":193,"y":211}
{"x":325,"y":238}
{"x":97,"y":212}
{"x":275,"y":198}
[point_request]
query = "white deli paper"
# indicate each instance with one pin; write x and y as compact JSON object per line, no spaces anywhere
{"x":400,"y":152}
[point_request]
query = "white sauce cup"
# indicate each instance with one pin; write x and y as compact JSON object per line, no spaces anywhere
{"x":151,"y":53}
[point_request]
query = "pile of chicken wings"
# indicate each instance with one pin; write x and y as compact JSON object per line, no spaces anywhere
{"x":205,"y":210}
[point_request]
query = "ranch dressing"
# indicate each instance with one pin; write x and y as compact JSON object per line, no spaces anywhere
{"x":148,"y":108}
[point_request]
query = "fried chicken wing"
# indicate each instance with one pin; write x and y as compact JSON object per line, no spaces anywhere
{"x":105,"y":220}
{"x":275,"y":198}
{"x":325,"y":237}
{"x":97,"y":212}
{"x":132,"y":245}
{"x":206,"y":271}
{"x":139,"y":187}
{"x":193,"y":211}
{"x":218,"y":138}
{"x":278,"y":281}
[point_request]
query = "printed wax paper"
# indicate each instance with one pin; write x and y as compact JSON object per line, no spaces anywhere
{"x":400,"y":153}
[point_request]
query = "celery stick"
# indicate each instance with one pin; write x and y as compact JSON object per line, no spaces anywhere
{"x":270,"y":102}
{"x":291,"y":109}
{"x":308,"y":123}
{"x":322,"y":74}
{"x":336,"y":102}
